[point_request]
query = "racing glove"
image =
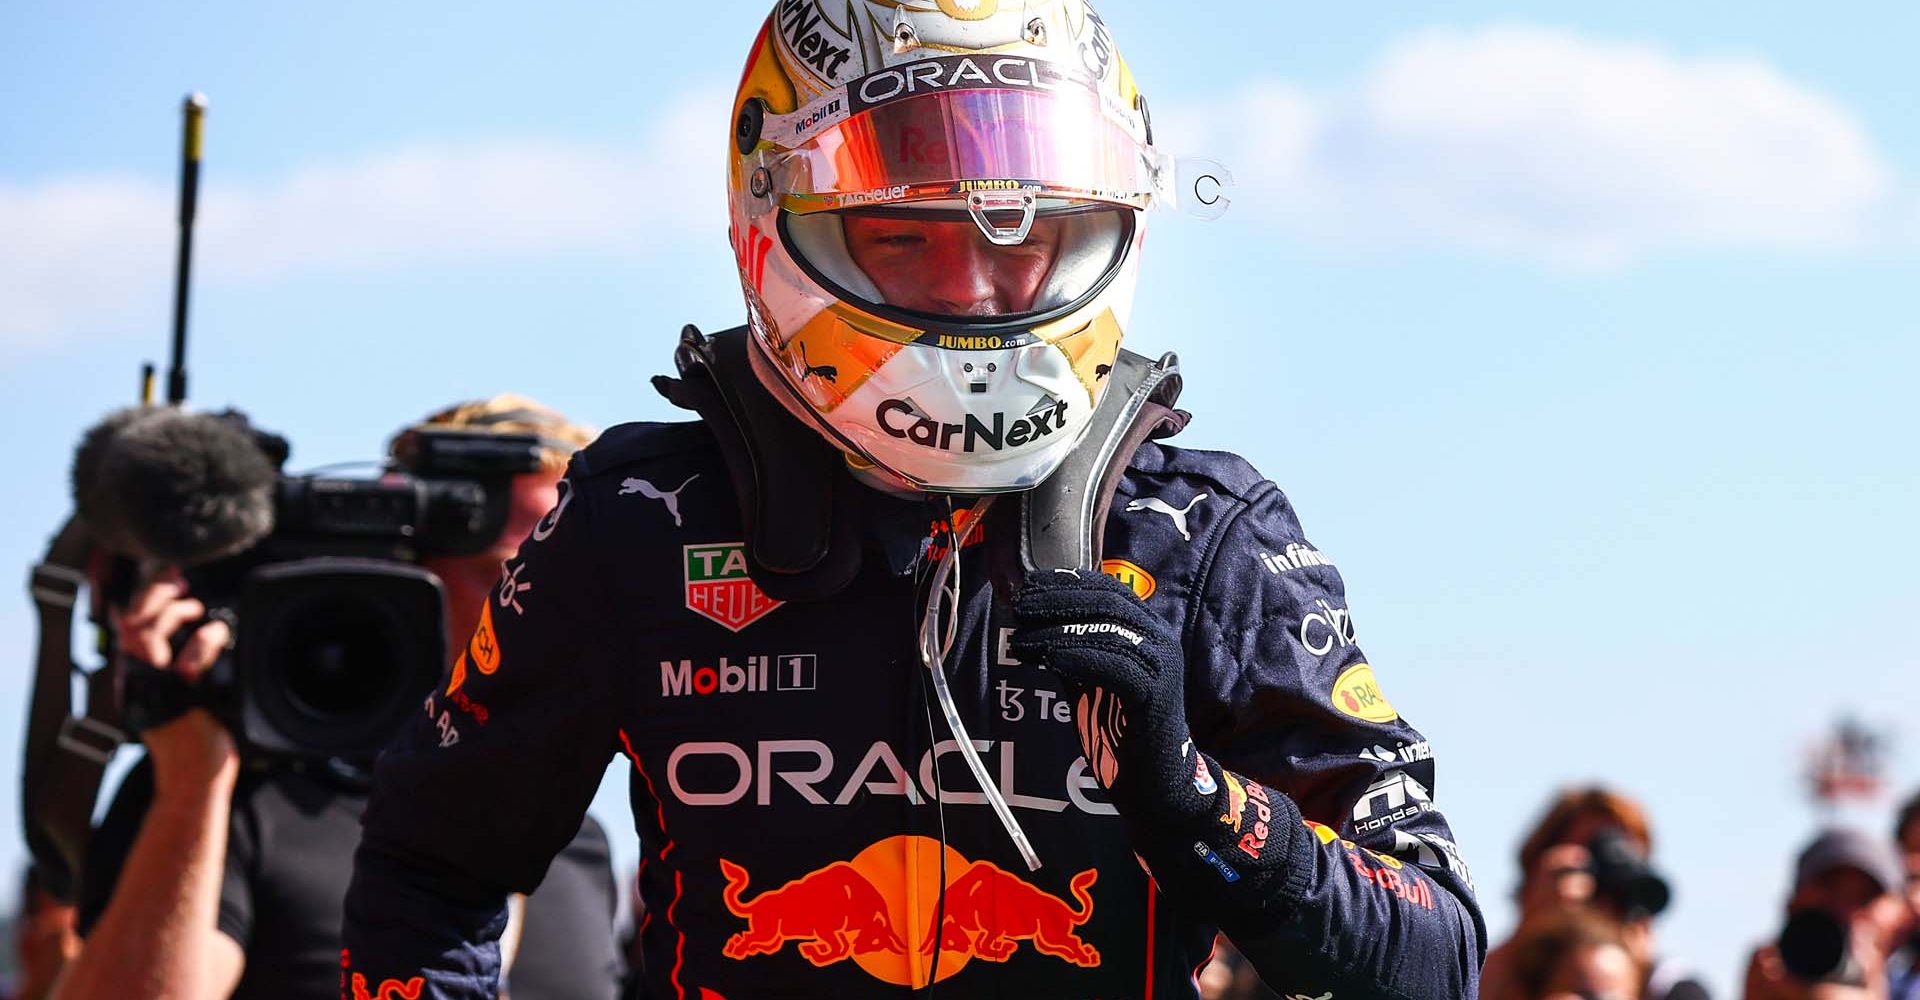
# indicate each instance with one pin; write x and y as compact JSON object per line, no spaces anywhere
{"x":1225,"y":842}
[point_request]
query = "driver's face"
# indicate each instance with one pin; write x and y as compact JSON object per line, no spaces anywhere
{"x":949,"y":266}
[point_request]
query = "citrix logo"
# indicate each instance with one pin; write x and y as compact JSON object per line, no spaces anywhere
{"x":900,"y":418}
{"x":1326,"y":628}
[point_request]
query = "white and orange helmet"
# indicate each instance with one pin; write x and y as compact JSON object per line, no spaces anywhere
{"x":1001,"y":112}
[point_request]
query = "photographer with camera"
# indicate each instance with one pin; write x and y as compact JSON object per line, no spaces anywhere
{"x":220,"y":866}
{"x":1589,"y":853}
{"x":1844,"y":918}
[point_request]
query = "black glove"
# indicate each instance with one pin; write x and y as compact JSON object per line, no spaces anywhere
{"x":1126,"y":664}
{"x":1220,"y":837}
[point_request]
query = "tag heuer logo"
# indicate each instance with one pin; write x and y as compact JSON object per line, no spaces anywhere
{"x":718,"y":587}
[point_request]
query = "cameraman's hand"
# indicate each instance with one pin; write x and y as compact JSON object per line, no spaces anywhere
{"x":193,"y":754}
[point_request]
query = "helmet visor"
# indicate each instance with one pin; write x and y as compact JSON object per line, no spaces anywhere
{"x":958,"y":143}
{"x":926,"y":262}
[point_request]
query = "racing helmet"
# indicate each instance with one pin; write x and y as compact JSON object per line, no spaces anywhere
{"x":937,"y":207}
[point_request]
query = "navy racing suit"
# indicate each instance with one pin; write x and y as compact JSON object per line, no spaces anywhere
{"x":785,"y":765}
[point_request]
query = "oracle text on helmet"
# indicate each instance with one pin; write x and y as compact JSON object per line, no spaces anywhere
{"x":935,"y":75}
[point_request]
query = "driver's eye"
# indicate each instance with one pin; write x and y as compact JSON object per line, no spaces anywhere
{"x":900,"y":240}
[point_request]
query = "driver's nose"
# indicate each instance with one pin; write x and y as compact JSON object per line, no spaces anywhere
{"x":959,"y":278}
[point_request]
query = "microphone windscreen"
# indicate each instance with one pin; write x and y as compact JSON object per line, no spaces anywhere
{"x":181,"y":488}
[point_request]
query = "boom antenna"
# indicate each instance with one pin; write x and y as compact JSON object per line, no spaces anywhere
{"x":194,"y":110}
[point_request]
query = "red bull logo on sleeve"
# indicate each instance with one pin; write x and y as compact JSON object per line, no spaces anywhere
{"x":878,"y":910}
{"x":1392,"y":877}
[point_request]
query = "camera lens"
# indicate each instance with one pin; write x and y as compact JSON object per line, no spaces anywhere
{"x":1623,"y":877}
{"x":338,"y":656}
{"x":334,"y":654}
{"x":1813,"y":945}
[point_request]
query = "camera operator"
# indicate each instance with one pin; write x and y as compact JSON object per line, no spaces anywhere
{"x":1589,"y":853}
{"x":1843,"y":919}
{"x":218,"y":874}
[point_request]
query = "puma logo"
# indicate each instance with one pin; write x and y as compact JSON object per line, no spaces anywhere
{"x":1101,"y":371}
{"x":652,"y":492}
{"x":828,"y":372}
{"x":1177,"y":514}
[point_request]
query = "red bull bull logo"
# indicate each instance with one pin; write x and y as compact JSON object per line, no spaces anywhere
{"x":879,"y":911}
{"x":835,"y":913}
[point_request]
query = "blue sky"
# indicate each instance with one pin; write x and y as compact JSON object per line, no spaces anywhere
{"x":1574,"y":331}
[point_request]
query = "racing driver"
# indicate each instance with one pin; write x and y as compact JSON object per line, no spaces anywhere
{"x":936,"y":671}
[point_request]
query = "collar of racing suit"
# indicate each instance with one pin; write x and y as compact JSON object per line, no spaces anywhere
{"x":806,"y":519}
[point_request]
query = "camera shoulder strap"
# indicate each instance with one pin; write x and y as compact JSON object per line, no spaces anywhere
{"x":66,"y":756}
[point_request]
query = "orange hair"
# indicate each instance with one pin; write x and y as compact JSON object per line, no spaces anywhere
{"x":510,"y":413}
{"x":1574,"y":803}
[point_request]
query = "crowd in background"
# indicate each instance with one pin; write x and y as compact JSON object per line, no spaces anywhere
{"x":1590,"y":897}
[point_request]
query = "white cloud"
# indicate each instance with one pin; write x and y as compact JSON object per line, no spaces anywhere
{"x":1541,"y":143}
{"x":83,"y":256}
{"x":1531,"y":142}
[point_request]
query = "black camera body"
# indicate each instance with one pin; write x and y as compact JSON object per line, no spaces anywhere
{"x":338,"y":631}
{"x":1624,"y":879}
{"x":1814,"y":947}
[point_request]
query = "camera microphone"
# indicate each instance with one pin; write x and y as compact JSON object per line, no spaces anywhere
{"x":161,"y":484}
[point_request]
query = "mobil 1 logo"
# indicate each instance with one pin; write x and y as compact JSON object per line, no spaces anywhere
{"x":750,"y":675}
